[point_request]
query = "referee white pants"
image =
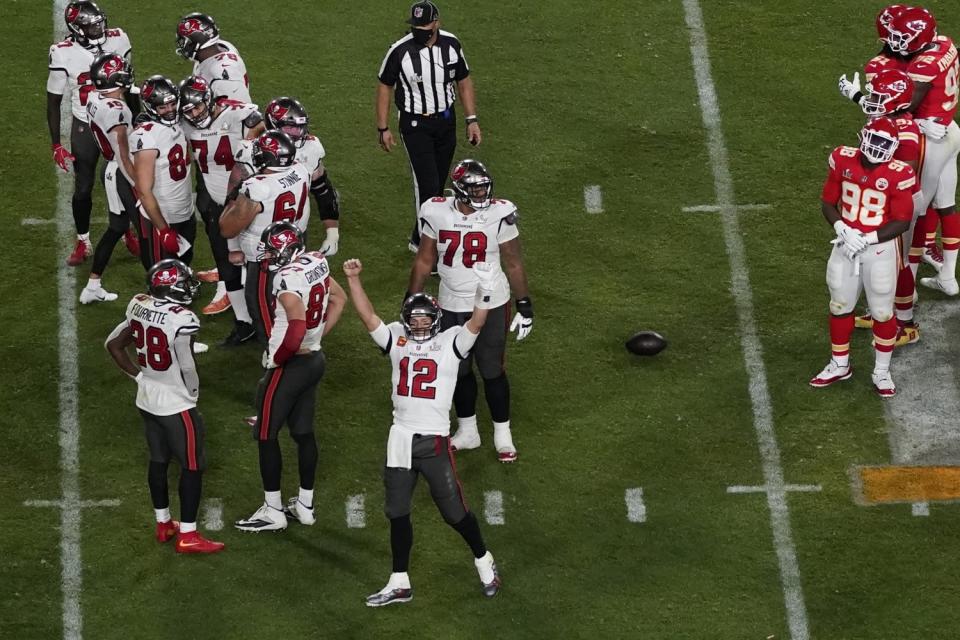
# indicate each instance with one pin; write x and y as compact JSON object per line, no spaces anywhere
{"x":876,"y":274}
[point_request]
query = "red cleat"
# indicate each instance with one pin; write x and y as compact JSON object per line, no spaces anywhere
{"x":210,"y":275}
{"x":80,"y":253}
{"x":167,"y":530}
{"x":132,"y":243}
{"x":193,"y":542}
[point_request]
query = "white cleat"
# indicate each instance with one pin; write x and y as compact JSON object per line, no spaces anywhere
{"x":933,"y":256}
{"x":489,"y":578}
{"x":503,"y":443}
{"x":299,"y":511}
{"x":200,"y":347}
{"x":465,"y":439}
{"x":833,"y":372}
{"x":266,"y":518}
{"x":883,"y":383}
{"x":949,"y":287}
{"x":100,"y":294}
{"x":413,"y":249}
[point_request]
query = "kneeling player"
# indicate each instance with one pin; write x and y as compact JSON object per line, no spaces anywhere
{"x":875,"y":195}
{"x":425,"y":362}
{"x":161,"y":328}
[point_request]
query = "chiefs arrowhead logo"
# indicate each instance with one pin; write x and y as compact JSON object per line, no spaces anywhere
{"x":280,"y":241}
{"x":188,"y":26}
{"x":165,"y":277}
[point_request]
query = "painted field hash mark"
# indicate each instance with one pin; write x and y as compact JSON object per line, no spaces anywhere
{"x":493,"y":507}
{"x":213,"y":514}
{"x":636,"y":509}
{"x":356,"y":512}
{"x":593,"y":198}
{"x":715,"y":208}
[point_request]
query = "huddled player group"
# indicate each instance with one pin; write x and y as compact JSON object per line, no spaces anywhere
{"x":886,"y":198}
{"x":255,"y":174}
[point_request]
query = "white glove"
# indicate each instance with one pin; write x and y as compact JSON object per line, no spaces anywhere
{"x":485,"y":273}
{"x":850,"y":253}
{"x":931,"y":128}
{"x":523,"y":326}
{"x":849,"y":237}
{"x":331,"y":243}
{"x":847,"y":88}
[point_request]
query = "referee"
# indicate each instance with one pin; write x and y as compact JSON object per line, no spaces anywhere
{"x":421,"y":68}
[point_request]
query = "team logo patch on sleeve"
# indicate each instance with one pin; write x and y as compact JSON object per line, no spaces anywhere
{"x":401,"y":341}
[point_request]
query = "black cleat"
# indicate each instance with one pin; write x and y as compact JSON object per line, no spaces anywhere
{"x":242,"y":332}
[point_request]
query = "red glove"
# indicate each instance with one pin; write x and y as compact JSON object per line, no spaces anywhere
{"x":168,"y":239}
{"x":62,"y":156}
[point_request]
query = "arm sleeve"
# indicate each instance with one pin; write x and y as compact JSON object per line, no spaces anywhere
{"x":463,"y":342}
{"x":382,"y":336}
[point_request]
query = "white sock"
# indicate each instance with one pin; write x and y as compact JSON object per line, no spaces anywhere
{"x":883,"y":360}
{"x":501,"y":436}
{"x":188,"y":527}
{"x":306,"y":497}
{"x":485,"y":567}
{"x":467,"y":424}
{"x":163,"y":515}
{"x":914,"y":266}
{"x":272,"y":498}
{"x":93,"y":283}
{"x":221,"y":290}
{"x":843,"y":361}
{"x":949,"y":269}
{"x":399,"y":581}
{"x":84,"y":237}
{"x":238,"y":302}
{"x":243,"y":275}
{"x":501,"y":428}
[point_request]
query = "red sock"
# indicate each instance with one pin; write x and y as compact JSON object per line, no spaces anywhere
{"x":904,"y":297}
{"x":841,"y":328}
{"x":884,"y":335}
{"x":950,"y":232}
{"x":929,"y":222}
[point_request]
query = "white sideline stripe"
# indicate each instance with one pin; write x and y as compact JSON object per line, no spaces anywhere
{"x":37,"y":221}
{"x":83,"y":504}
{"x":807,"y":488}
{"x":213,"y":514}
{"x":920,"y":509}
{"x":713,"y":208}
{"x":356,"y":512}
{"x":493,"y":507}
{"x":71,"y":578}
{"x":750,"y":342}
{"x":593,"y":198}
{"x":636,"y":509}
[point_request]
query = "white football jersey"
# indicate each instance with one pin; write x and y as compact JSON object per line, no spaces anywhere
{"x":310,"y":153}
{"x":424,"y":376}
{"x":309,"y":278}
{"x":463,"y":240}
{"x":214,"y":147}
{"x":225,"y":73}
{"x":157,"y":325}
{"x":104,"y":114}
{"x":70,"y":68}
{"x":172,"y":186}
{"x":283,"y":195}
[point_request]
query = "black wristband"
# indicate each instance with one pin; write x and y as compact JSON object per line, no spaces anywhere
{"x":470,"y":119}
{"x":857,"y":97}
{"x":383,"y":130}
{"x":525,"y":307}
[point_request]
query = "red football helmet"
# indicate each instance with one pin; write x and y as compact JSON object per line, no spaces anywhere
{"x":879,"y":140}
{"x":889,"y":92}
{"x":885,"y":17}
{"x":912,"y":30}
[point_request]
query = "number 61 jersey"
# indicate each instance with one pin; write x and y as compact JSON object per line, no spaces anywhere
{"x":868,"y":198}
{"x":156,"y":326}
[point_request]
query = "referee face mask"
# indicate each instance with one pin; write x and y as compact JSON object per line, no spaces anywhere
{"x":422,"y":36}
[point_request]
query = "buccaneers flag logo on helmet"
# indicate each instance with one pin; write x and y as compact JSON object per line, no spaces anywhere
{"x":165,"y":277}
{"x":282,"y":239}
{"x":188,"y":26}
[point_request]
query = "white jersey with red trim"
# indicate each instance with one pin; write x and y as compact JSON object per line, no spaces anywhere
{"x":310,"y":153}
{"x":103,"y":114}
{"x":226,"y":73}
{"x":464,"y":239}
{"x":171,"y":182}
{"x":157,"y":325}
{"x":424,"y":375}
{"x":69,"y":67}
{"x":282,"y":196}
{"x":307,"y":277}
{"x":214,"y":147}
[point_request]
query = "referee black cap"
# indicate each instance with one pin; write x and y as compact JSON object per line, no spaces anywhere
{"x":423,"y":13}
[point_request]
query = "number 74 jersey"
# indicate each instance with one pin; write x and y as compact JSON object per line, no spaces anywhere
{"x":868,"y":198}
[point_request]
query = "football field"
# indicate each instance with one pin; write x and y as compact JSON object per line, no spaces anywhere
{"x":667,"y":160}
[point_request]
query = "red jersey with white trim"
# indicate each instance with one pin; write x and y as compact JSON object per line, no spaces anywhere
{"x":171,"y":175}
{"x":104,"y":114}
{"x":938,"y":66}
{"x":464,"y":239}
{"x":307,"y":277}
{"x":226,"y":74}
{"x":881,"y":62}
{"x":157,"y":325}
{"x":909,"y":135}
{"x":69,"y":67}
{"x":214,"y":147}
{"x":869,"y":198}
{"x":282,"y":195}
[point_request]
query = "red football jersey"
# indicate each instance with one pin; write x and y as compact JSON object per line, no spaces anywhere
{"x":882,"y":61}
{"x":937,"y":66}
{"x":910,"y":140}
{"x":869,"y":198}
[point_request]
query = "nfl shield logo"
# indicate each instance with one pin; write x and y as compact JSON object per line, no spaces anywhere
{"x":418,"y":12}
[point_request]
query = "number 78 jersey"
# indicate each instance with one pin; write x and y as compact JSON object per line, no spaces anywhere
{"x":869,"y":198}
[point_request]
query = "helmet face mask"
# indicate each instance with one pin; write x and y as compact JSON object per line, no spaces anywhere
{"x":280,"y":244}
{"x":173,"y":281}
{"x":196,"y":31}
{"x":879,"y":141}
{"x":196,"y":102}
{"x":160,"y":99}
{"x":472,"y":184}
{"x":87,"y":23}
{"x":888,"y":93}
{"x":287,"y":115}
{"x":420,"y":316}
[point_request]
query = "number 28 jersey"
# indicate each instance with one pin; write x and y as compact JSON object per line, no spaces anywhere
{"x":308,"y":277}
{"x":156,"y":326}
{"x":463,"y":240}
{"x":171,"y":173}
{"x":868,"y":198}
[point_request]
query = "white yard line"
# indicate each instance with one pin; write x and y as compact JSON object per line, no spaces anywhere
{"x":749,"y":340}
{"x":636,"y":509}
{"x":593,"y":198}
{"x":493,"y":507}
{"x":83,"y":504}
{"x":790,"y":488}
{"x":715,"y":208}
{"x":213,"y":514}
{"x":356,"y":512}
{"x":30,"y":222}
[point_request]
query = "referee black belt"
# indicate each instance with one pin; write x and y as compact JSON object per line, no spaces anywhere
{"x":443,"y":115}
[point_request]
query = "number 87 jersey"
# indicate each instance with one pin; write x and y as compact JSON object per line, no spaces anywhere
{"x":868,"y":198}
{"x":307,"y":277}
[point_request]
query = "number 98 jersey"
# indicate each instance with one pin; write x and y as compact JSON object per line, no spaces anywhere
{"x":157,"y":325}
{"x":868,"y":198}
{"x":307,"y":277}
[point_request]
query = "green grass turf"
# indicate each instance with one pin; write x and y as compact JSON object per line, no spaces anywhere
{"x":569,"y":94}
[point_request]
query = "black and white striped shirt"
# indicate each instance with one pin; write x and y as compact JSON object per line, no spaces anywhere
{"x":423,"y":77}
